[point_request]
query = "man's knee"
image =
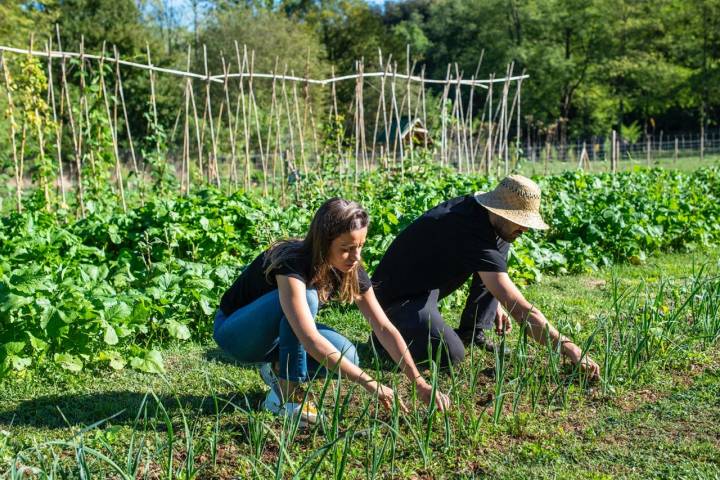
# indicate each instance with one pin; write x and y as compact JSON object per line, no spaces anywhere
{"x":455,"y":352}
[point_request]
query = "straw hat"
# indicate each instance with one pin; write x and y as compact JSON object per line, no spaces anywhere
{"x":517,"y":199}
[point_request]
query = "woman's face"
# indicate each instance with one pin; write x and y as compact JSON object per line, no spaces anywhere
{"x":345,"y":249}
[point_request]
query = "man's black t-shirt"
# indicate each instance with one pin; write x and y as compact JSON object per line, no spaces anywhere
{"x":440,"y":250}
{"x":253,"y":284}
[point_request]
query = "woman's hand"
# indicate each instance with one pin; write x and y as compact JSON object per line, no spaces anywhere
{"x":587,"y":364}
{"x":424,"y":389}
{"x":387,"y":397}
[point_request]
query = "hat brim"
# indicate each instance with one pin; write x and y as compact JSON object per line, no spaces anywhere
{"x":521,"y":217}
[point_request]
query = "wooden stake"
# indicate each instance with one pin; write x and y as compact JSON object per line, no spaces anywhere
{"x":75,"y":135}
{"x":113,"y":134}
{"x":231,"y":132}
{"x":57,"y":125}
{"x":212,"y":162}
{"x":128,"y":131}
{"x":11,"y":110}
{"x":246,"y":130}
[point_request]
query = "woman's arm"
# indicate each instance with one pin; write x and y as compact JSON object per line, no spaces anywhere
{"x":295,"y":307}
{"x":392,"y":340}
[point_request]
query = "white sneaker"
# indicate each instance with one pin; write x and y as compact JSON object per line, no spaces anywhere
{"x":306,"y":411}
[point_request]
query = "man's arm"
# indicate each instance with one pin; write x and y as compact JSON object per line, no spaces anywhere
{"x":542,"y":331}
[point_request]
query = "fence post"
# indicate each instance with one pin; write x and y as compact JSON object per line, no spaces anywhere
{"x":613,"y":155}
{"x":675,"y":157}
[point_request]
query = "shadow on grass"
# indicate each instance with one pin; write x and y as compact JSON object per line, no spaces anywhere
{"x":87,"y":408}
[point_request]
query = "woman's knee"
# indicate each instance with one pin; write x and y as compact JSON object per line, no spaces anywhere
{"x":313,"y":300}
{"x":349,"y":351}
{"x":345,"y":347}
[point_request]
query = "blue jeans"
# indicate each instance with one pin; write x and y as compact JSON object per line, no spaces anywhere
{"x":259,"y":332}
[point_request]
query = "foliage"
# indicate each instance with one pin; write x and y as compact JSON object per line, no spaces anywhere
{"x":106,"y":289}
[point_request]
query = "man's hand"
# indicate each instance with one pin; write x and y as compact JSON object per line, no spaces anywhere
{"x":503,"y":324}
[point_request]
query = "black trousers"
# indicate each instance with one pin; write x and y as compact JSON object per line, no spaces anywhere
{"x":425,"y":330}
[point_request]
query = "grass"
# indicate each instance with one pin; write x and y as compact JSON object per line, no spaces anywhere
{"x":685,"y":164}
{"x":530,"y":415}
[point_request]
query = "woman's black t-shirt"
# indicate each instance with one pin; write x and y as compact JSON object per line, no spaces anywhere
{"x":253,"y":284}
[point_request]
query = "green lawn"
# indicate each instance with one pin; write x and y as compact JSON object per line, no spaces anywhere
{"x":661,"y":423}
{"x":685,"y":164}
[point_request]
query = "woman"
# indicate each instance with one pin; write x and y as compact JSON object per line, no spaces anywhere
{"x":268,"y":314}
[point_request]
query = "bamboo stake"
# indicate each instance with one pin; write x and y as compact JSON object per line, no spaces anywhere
{"x":424,"y":109}
{"x":185,"y":182}
{"x":216,"y":137}
{"x":269,"y":136}
{"x":361,"y":114}
{"x":213,"y":160}
{"x":335,"y":118}
{"x":301,"y":129}
{"x":128,"y":131}
{"x":41,"y":144}
{"x":443,"y":119}
{"x":113,"y":134}
{"x":409,"y":107}
{"x":153,"y":103}
{"x":58,"y":127}
{"x":85,"y":113}
{"x":469,"y":115}
{"x":185,"y":170}
{"x":357,"y":126}
{"x":253,"y":104}
{"x":231,"y":132}
{"x":288,"y":114}
{"x":489,"y":144}
{"x":377,"y":112}
{"x":307,"y":109}
{"x":73,"y":131}
{"x":11,"y":113}
{"x":518,"y":132}
{"x":246,"y":131}
{"x":457,"y":113}
{"x":398,"y":139}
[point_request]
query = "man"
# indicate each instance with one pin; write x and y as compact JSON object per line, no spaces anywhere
{"x":436,"y":254}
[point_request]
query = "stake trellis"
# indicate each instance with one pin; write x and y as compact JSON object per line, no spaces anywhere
{"x":255,"y":129}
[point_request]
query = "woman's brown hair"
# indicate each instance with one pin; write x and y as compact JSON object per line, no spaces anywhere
{"x":334,"y":218}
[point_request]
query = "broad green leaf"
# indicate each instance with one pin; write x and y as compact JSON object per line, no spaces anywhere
{"x":68,"y":361}
{"x":37,"y":344}
{"x":19,"y":363}
{"x":151,"y":362}
{"x":178,"y":330}
{"x":205,"y":306}
{"x":110,"y":336}
{"x":115,"y":359}
{"x":12,"y":348}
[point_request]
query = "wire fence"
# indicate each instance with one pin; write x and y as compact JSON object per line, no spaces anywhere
{"x":651,"y":148}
